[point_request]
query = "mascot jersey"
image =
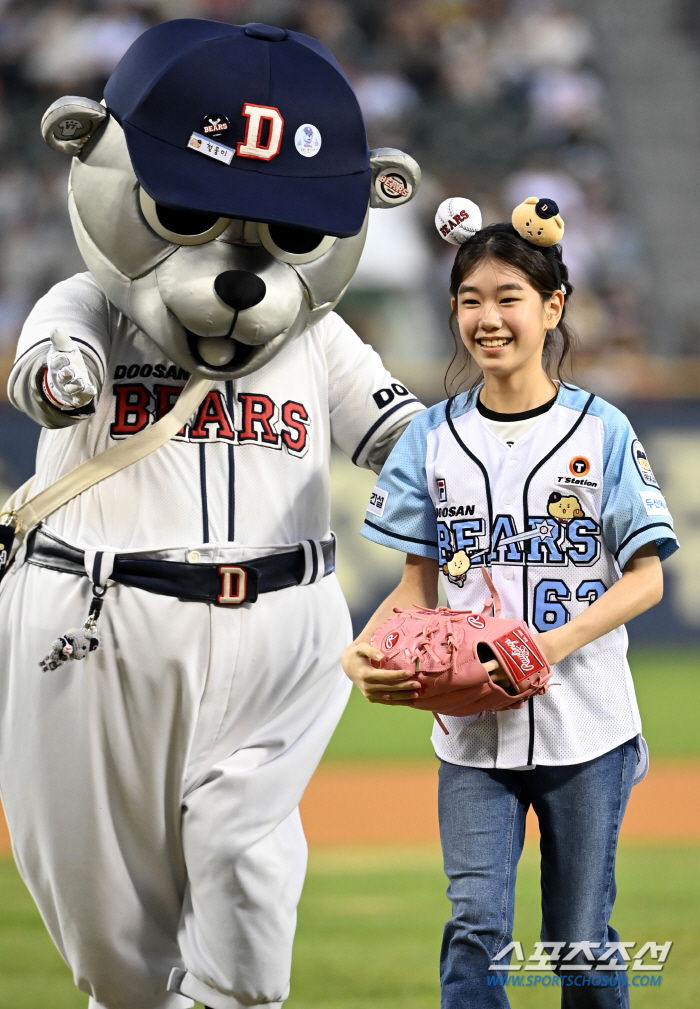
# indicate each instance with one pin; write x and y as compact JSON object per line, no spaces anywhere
{"x":252,"y":465}
{"x":555,"y":516}
{"x":220,"y":197}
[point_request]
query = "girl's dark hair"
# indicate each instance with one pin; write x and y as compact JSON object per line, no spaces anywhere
{"x":544,"y":269}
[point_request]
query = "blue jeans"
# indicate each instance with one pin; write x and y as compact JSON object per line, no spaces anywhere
{"x":482,"y":829}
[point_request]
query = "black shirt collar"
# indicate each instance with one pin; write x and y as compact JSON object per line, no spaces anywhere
{"x":507,"y":418}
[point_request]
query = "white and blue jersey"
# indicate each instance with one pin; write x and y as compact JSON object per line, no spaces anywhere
{"x":555,"y":517}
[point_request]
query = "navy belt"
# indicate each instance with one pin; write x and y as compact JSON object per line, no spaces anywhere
{"x":220,"y":584}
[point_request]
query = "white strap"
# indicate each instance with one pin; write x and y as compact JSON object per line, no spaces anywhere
{"x":99,"y":565}
{"x":113,"y":459}
{"x":315,"y":563}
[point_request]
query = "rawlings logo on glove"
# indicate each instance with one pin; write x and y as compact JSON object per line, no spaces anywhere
{"x":449,"y":649}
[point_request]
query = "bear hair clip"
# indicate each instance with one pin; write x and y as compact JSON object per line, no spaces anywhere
{"x":539,"y":222}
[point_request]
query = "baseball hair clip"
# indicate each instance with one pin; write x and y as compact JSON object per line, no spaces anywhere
{"x":457,"y":220}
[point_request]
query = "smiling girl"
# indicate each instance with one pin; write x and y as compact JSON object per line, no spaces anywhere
{"x":485,"y":473}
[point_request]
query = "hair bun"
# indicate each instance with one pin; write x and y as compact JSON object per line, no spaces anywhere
{"x":457,"y":220}
{"x":538,"y":221}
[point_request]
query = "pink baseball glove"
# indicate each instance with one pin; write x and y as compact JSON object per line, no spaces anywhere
{"x":448,"y":649}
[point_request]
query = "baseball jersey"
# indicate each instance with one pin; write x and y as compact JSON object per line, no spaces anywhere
{"x":555,"y":517}
{"x":250,"y":468}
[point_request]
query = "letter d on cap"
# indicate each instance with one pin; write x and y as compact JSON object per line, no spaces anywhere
{"x":256,"y":115}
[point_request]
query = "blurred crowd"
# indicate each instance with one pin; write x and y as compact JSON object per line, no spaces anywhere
{"x":497,"y":99}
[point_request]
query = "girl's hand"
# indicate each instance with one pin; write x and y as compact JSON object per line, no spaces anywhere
{"x":380,"y":686}
{"x":498,"y":674}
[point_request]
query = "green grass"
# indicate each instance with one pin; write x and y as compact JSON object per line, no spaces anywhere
{"x":370,"y":923}
{"x":370,"y":926}
{"x":671,"y":727}
{"x":32,"y":974}
{"x":379,"y":732}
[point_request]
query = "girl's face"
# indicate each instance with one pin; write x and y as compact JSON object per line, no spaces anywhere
{"x":501,"y":318}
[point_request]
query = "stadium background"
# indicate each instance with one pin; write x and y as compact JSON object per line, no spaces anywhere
{"x":595,"y":103}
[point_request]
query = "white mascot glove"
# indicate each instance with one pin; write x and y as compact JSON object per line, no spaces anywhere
{"x":67,"y":382}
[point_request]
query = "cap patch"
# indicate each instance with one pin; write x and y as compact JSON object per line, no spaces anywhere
{"x":307,"y":140}
{"x":215,"y":126}
{"x":209,"y":147}
{"x":258,"y":116}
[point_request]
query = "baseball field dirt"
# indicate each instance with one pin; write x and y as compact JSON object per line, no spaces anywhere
{"x":375,"y":803}
{"x":388,"y":803}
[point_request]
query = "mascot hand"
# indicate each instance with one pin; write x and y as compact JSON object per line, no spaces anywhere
{"x":67,"y":382}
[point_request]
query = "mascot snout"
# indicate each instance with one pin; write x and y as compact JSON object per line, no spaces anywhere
{"x":224,"y":294}
{"x":239,"y":289}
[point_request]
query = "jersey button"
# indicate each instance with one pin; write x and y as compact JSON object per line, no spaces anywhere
{"x":508,"y":575}
{"x":508,"y":500}
{"x":193,"y":556}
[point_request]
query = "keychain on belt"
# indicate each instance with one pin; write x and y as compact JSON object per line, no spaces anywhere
{"x":78,"y":641}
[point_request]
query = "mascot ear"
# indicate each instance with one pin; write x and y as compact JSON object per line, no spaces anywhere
{"x":69,"y":123}
{"x":395,"y":177}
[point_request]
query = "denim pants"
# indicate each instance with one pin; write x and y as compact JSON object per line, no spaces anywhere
{"x":482,"y":828}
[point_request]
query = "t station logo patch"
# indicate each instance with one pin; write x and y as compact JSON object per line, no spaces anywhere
{"x":579,"y":466}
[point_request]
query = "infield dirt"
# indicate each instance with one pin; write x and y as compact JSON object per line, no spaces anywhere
{"x":383,"y":803}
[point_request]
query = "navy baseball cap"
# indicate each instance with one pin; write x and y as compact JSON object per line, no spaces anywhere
{"x":246,"y":121}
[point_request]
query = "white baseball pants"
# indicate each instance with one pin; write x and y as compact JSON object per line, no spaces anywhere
{"x":151,"y":790}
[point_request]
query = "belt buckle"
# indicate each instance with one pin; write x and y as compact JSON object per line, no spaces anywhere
{"x":227,"y":573}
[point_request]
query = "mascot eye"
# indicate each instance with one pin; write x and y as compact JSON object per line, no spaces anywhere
{"x":180,"y":226}
{"x":185,"y":222}
{"x":294,"y":245}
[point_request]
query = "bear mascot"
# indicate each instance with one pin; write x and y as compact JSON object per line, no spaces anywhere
{"x":219,"y":196}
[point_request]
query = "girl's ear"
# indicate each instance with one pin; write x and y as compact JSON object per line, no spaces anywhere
{"x":555,"y":307}
{"x":453,"y":303}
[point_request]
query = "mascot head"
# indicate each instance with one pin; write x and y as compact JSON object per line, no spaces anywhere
{"x":219,"y":194}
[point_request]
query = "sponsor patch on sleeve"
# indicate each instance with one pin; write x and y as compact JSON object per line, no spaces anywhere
{"x":642,"y":464}
{"x":377,"y":501}
{"x":655,"y":503}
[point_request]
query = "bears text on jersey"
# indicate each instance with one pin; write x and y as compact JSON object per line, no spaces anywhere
{"x":244,"y":419}
{"x":546,"y":541}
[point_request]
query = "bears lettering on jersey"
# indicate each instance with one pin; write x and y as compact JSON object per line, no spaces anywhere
{"x":253,"y":419}
{"x":561,"y":537}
